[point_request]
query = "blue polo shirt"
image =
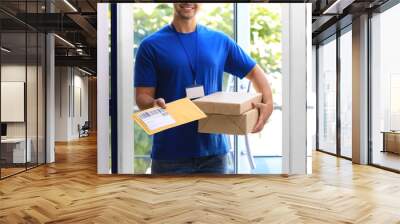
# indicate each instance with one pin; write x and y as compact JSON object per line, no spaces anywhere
{"x":170,"y":61}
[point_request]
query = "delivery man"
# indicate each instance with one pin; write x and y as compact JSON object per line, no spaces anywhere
{"x":182,"y":55}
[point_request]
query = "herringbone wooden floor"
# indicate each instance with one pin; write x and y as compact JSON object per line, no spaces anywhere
{"x":70,"y":191}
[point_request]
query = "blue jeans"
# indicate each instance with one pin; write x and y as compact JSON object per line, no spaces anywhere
{"x":216,"y":164}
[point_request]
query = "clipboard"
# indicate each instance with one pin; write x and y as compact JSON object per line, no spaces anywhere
{"x":178,"y":112}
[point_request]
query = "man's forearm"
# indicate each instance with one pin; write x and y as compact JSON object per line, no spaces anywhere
{"x":261,"y":85}
{"x":267,"y":96}
{"x":144,"y":101}
{"x":145,"y":98}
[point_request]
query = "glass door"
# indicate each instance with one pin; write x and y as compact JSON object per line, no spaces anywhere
{"x":385,"y":90}
{"x":15,"y":153}
{"x":261,"y":153}
{"x":22,"y":68}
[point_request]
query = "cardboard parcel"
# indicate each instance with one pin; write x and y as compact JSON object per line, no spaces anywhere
{"x":228,"y":112}
{"x":229,"y":103}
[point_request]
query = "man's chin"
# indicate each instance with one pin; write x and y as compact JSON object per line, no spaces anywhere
{"x":186,"y":17}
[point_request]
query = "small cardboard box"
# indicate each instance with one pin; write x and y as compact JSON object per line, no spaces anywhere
{"x":228,"y":103}
{"x":229,"y":124}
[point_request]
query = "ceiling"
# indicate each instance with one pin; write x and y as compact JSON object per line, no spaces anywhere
{"x":329,"y":16}
{"x":74,"y":21}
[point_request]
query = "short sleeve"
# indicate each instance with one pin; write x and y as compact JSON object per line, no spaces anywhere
{"x":145,"y":71}
{"x":238,"y":62}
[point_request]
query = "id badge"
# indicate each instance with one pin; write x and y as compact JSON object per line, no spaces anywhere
{"x":196,"y":91}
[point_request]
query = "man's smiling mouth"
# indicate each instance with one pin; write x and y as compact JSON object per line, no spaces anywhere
{"x":187,"y":6}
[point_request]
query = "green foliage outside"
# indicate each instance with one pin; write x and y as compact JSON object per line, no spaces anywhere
{"x":265,"y":38}
{"x":265,"y":44}
{"x":142,"y":147}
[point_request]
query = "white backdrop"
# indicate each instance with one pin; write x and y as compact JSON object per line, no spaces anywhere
{"x":12,"y":101}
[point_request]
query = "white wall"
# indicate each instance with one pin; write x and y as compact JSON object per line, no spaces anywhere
{"x":61,"y":103}
{"x":80,"y":84}
{"x":13,"y":72}
{"x":69,"y":82}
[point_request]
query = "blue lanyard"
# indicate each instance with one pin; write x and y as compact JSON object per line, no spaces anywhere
{"x":192,"y":67}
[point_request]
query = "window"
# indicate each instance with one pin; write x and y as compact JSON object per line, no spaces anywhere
{"x":22,"y":88}
{"x":346,"y":94}
{"x":13,"y":74}
{"x":385,"y":89}
{"x":327,"y":96}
